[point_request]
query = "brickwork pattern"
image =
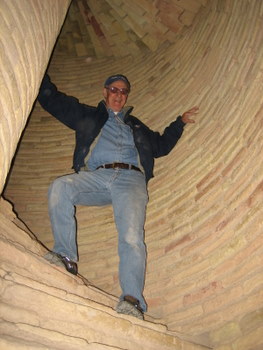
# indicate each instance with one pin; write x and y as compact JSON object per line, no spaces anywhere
{"x":116,"y":28}
{"x":25,"y":51}
{"x":204,"y":224}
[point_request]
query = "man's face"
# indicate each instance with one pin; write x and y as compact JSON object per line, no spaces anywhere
{"x":116,"y":95}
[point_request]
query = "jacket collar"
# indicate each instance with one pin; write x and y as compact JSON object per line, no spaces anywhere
{"x":126,"y":110}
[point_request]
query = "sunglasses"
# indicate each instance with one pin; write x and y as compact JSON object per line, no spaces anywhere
{"x":115,"y":90}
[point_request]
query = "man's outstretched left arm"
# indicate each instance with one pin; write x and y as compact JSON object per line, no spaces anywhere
{"x":163,"y":144}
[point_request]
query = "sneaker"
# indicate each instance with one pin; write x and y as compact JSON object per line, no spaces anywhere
{"x":54,"y":258}
{"x":130,"y":306}
{"x":63,"y":261}
{"x":70,"y":265}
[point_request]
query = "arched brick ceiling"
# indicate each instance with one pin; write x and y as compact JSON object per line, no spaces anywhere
{"x":119,"y":28}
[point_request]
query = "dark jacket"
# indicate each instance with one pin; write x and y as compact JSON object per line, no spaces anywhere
{"x":88,"y":121}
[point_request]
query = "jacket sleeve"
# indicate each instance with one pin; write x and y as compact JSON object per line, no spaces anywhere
{"x":163,"y":144}
{"x":66,"y":109}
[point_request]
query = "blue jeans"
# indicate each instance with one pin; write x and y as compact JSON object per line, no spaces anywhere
{"x":127,"y":192}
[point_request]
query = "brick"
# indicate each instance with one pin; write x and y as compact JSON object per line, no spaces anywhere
{"x":223,"y":347}
{"x":229,"y":250}
{"x":253,"y":340}
{"x":176,"y":243}
{"x":240,"y":264}
{"x":228,"y":296}
{"x":254,"y":282}
{"x":251,"y":321}
{"x":204,"y":293}
{"x":226,"y":334}
{"x":195,"y":311}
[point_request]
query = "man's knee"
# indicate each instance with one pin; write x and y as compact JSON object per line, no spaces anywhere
{"x":57,"y":189}
{"x":134,"y":237}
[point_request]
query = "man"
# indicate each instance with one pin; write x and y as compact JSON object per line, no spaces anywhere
{"x":113,"y":162}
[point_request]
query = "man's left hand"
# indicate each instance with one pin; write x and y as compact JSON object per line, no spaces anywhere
{"x":191,"y":112}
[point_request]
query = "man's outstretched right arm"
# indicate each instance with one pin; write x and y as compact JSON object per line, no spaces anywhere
{"x":66,"y":109}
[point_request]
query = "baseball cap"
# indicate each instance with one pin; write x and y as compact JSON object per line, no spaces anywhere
{"x":117,"y":77}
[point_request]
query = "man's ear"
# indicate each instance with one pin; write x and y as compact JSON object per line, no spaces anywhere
{"x":105,"y":92}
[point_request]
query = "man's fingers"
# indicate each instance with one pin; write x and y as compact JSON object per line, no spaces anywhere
{"x":193,"y":110}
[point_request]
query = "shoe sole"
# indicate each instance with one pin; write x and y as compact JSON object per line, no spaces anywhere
{"x":126,"y":308}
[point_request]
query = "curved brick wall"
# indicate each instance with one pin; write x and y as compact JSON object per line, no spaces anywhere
{"x":26,"y":44}
{"x":204,"y":222}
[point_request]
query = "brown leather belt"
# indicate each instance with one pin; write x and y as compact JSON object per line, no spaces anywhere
{"x":119,"y":166}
